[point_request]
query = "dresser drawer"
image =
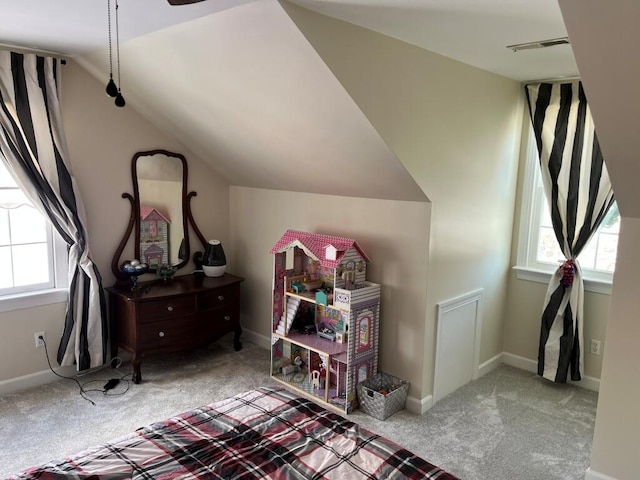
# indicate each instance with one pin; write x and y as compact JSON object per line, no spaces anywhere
{"x":219,"y":297}
{"x":219,"y":321}
{"x":167,"y":334}
{"x":170,"y":307}
{"x":225,"y":315}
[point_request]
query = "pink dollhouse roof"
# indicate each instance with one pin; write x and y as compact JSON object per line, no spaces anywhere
{"x":315,"y":245}
{"x":146,"y":211}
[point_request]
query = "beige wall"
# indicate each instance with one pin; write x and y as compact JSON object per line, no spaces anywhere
{"x":394,"y":234}
{"x":102,"y":139}
{"x":524,"y":313}
{"x":457,"y":130}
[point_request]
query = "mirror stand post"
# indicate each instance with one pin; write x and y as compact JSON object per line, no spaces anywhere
{"x":197,"y":256}
{"x":115,"y":261}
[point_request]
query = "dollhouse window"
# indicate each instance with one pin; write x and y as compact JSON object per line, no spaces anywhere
{"x":362,"y":373}
{"x":364,"y":333}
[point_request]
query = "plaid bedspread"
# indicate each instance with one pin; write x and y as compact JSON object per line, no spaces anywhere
{"x":267,"y":433}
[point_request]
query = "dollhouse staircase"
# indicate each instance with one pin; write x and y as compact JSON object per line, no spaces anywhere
{"x":286,"y":320}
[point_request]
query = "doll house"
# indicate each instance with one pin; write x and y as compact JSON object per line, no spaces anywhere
{"x":325,"y":318}
{"x":154,"y":237}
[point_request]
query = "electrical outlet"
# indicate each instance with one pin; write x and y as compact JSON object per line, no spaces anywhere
{"x":595,"y":347}
{"x":40,"y":339}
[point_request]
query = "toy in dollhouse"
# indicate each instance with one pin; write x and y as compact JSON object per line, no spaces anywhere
{"x":315,"y":379}
{"x":329,"y":321}
{"x":291,"y":365}
{"x":318,"y":368}
{"x":326,"y":332}
{"x":298,"y":359}
{"x":297,"y":287}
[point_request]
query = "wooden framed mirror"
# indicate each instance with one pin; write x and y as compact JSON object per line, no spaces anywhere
{"x":160,"y":212}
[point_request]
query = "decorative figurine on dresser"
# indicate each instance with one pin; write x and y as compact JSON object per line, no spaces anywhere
{"x":326,"y":317}
{"x":171,"y":313}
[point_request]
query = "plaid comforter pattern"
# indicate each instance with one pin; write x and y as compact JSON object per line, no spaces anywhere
{"x":267,"y":433}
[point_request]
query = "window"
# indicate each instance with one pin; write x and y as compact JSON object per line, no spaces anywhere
{"x":29,"y":249}
{"x":538,"y":252}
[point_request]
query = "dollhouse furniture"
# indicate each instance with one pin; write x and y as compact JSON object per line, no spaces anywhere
{"x":160,"y":317}
{"x":325,"y":318}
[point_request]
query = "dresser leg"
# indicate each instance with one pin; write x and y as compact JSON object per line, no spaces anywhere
{"x":137,"y":376}
{"x":236,"y":339}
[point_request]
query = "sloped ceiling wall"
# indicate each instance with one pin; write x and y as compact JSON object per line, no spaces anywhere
{"x":605,"y":37}
{"x":246,"y":92}
{"x":606,"y":40}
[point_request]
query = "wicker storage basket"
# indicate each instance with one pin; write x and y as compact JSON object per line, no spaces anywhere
{"x":378,"y":404}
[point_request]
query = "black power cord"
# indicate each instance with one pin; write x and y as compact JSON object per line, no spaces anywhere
{"x":106,"y":389}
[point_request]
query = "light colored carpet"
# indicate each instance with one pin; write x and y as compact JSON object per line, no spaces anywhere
{"x":507,"y":425}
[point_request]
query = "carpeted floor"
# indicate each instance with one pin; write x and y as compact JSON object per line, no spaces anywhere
{"x":508,"y":425}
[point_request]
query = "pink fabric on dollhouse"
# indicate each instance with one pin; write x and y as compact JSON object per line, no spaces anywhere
{"x":316,"y":244}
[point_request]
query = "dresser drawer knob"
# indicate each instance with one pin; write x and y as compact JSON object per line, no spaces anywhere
{"x":161,"y":334}
{"x":221,"y":297}
{"x":227,"y":318}
{"x":170,"y":308}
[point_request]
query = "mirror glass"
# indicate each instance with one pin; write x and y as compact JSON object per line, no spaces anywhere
{"x":160,"y":180}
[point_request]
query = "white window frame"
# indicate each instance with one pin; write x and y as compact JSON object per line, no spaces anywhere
{"x":55,"y":291}
{"x":527,"y":267}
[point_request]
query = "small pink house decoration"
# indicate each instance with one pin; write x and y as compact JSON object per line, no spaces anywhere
{"x":325,"y":312}
{"x":154,"y":237}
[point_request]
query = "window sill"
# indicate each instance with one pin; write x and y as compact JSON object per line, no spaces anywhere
{"x":9,"y":303}
{"x":540,"y":276}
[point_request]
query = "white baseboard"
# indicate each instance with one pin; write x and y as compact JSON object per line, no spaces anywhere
{"x":36,"y":379}
{"x":520,"y":362}
{"x":490,"y":364}
{"x":417,"y":406}
{"x":28,"y":381}
{"x":256,"y":338}
{"x":47,"y":376}
{"x":590,"y":383}
{"x":591,"y":475}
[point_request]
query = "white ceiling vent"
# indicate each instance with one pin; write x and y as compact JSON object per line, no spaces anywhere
{"x":540,"y":44}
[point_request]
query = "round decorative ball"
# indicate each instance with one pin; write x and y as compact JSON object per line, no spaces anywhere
{"x":134,"y":269}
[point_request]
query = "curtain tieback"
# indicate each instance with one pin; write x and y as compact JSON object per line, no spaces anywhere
{"x":566,"y":272}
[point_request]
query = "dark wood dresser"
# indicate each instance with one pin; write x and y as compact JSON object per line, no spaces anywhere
{"x":186,"y":312}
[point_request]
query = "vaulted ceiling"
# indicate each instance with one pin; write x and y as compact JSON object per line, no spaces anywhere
{"x":237,"y":82}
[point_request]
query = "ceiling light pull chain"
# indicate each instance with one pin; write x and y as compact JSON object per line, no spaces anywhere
{"x":119,"y":98}
{"x":112,"y":89}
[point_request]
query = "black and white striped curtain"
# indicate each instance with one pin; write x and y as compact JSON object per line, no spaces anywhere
{"x":33,"y":145}
{"x":579,"y":194}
